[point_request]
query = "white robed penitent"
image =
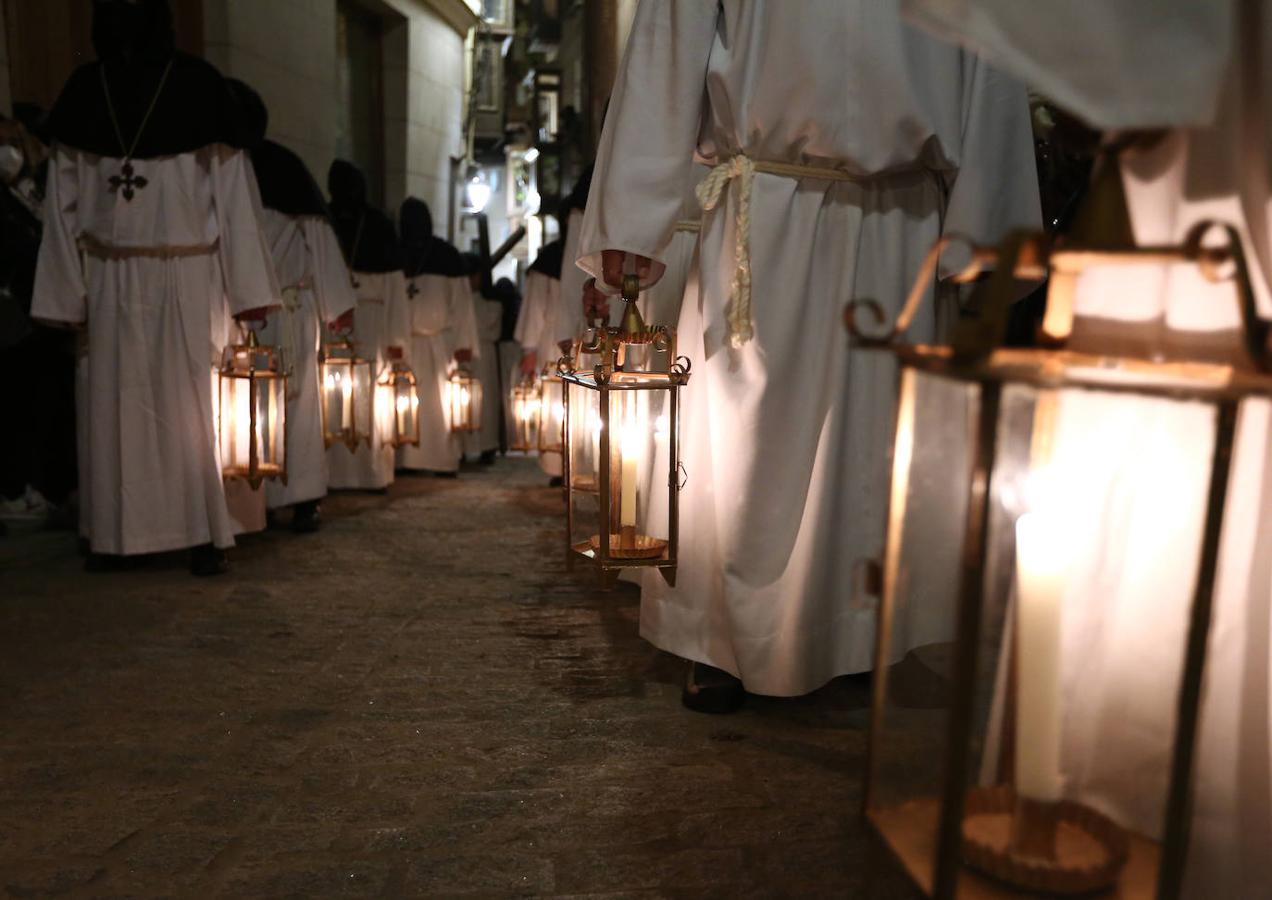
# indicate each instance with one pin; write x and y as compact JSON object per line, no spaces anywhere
{"x":1202,"y":69}
{"x":442,"y":320}
{"x":541,"y":325}
{"x":316,"y":290}
{"x":381,"y":319}
{"x":155,"y":280}
{"x":488,"y":319}
{"x":893,"y":136}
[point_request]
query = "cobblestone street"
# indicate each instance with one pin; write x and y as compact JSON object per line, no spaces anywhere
{"x":418,"y":700}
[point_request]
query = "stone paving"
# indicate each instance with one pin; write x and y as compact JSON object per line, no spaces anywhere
{"x":417,"y":701}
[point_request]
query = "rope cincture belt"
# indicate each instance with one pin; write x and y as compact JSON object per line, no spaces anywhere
{"x":101,"y":250}
{"x":743,"y":168}
{"x":689,"y":226}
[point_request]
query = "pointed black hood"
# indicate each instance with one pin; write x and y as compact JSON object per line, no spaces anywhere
{"x":423,"y":253}
{"x":366,"y":235}
{"x":134,"y":43}
{"x":287,"y":186}
{"x":549,"y":260}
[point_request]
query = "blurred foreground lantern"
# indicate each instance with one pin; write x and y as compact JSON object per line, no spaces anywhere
{"x":617,"y":438}
{"x":463,"y":400}
{"x":346,"y":395}
{"x":398,"y":403}
{"x":996,"y":479}
{"x":525,"y":416}
{"x":252,"y":413}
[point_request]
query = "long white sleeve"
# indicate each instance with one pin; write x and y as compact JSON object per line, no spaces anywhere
{"x":463,"y":316}
{"x":995,"y":190}
{"x":60,"y":294}
{"x":650,"y":133}
{"x":531,"y":317}
{"x":246,"y":262}
{"x":333,"y":285}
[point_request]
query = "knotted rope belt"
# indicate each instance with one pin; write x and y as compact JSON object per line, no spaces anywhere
{"x":101,"y":250}
{"x":742,"y":169}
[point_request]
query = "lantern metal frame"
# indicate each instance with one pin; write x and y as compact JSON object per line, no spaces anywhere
{"x":619,"y":371}
{"x":462,"y":378}
{"x":344,"y":353}
{"x":396,"y":377}
{"x":526,"y":399}
{"x":975,"y":356}
{"x":263,"y":364}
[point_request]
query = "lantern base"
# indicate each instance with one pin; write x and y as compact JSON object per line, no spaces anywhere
{"x":584,"y":483}
{"x":1090,"y":849}
{"x":641,"y":547}
{"x":910,"y":831}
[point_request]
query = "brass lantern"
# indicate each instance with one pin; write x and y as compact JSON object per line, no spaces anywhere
{"x":525,"y":416}
{"x":551,"y":411}
{"x":621,"y":426}
{"x":463,"y":400}
{"x":346,"y":395}
{"x":253,"y":412}
{"x":398,"y":402}
{"x":1004,"y":462}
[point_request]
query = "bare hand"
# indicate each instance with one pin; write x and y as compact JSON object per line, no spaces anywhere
{"x":259,"y":314}
{"x":595,"y":304}
{"x":612,"y":262}
{"x":394,"y":353}
{"x":463,"y":355}
{"x":529,"y":363}
{"x":344,"y":322}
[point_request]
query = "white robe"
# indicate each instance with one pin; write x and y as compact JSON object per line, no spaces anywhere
{"x":316,"y":290}
{"x":1137,"y":563}
{"x":488,"y":320}
{"x":381,"y":320}
{"x":540,"y":326}
{"x":150,"y":463}
{"x":442,"y":321}
{"x":785,"y":440}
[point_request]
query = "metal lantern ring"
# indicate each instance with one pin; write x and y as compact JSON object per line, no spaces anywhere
{"x":252,"y":416}
{"x":977,"y":427}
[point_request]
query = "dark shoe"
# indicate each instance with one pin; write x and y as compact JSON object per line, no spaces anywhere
{"x":488,"y":458}
{"x":556,"y":481}
{"x":306,"y":518}
{"x":207,"y":560}
{"x":101,"y":563}
{"x":711,"y":690}
{"x":445,"y":474}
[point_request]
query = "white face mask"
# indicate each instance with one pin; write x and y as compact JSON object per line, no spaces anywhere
{"x":11,"y":162}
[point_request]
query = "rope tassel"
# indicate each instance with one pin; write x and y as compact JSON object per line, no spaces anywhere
{"x":709,"y":193}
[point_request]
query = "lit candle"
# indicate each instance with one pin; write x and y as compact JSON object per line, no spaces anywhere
{"x":346,"y":409}
{"x":631,"y":450}
{"x":1041,"y":562}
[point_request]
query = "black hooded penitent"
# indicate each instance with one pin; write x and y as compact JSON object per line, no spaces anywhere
{"x":549,"y":260}
{"x":366,"y":234}
{"x":285,"y":181}
{"x":423,"y":253}
{"x":134,"y":44}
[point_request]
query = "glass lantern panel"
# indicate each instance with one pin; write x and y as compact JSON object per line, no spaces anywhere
{"x":934,"y":445}
{"x":524,"y":413}
{"x":385,"y":411}
{"x":406,"y":406}
{"x":346,"y":398}
{"x":551,"y":424}
{"x":271,"y":405}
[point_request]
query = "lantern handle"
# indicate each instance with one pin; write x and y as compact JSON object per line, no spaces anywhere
{"x":1256,"y":332}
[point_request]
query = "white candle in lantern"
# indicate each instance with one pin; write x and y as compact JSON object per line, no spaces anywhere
{"x":1041,"y":561}
{"x":631,"y":450}
{"x":346,"y":406}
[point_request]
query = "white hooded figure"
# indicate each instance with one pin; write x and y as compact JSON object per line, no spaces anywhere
{"x":843,"y":143}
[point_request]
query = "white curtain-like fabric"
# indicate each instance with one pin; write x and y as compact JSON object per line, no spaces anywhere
{"x":786,"y":438}
{"x":488,"y":319}
{"x":316,"y":290}
{"x":1146,"y":462}
{"x":381,"y":319}
{"x":443,"y":320}
{"x":155,"y":331}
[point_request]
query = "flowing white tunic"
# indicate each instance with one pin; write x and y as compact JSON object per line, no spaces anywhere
{"x":150,"y":469}
{"x":488,"y":318}
{"x":316,"y":290}
{"x":381,"y":319}
{"x":442,"y":321}
{"x":786,"y":439}
{"x":540,"y":324}
{"x":1203,"y":68}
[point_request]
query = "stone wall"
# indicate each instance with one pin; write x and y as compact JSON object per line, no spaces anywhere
{"x":286,"y":49}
